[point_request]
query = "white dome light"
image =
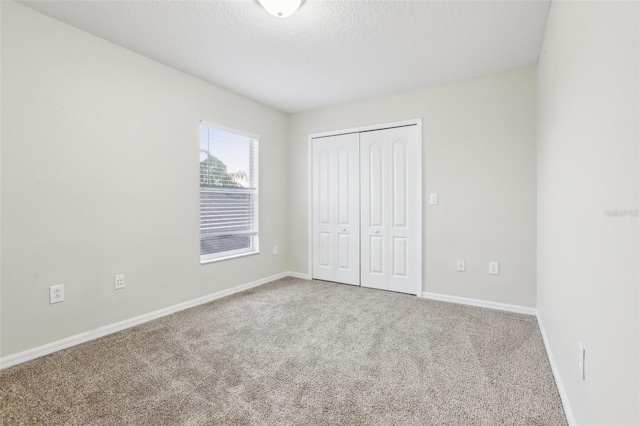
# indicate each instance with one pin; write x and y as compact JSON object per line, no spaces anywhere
{"x":281,"y":8}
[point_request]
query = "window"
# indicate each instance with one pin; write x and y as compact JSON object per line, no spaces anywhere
{"x":228,"y":193}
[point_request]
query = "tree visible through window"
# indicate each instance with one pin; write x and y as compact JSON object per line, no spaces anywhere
{"x":228,"y":193}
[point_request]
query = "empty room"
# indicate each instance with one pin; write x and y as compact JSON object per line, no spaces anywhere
{"x":319,"y":212}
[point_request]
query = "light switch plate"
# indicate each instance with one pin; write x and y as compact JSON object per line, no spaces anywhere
{"x":433,"y":198}
{"x":494,"y":268}
{"x":461,"y":265}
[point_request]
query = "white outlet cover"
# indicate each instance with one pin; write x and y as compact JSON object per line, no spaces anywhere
{"x":494,"y":268}
{"x":118,"y":281}
{"x":433,"y":198}
{"x":56,"y":294}
{"x":460,"y":265}
{"x":275,"y":250}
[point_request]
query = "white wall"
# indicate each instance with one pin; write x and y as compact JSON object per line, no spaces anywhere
{"x":100,"y":176}
{"x":0,"y":180}
{"x":478,"y":155}
{"x":588,"y":272}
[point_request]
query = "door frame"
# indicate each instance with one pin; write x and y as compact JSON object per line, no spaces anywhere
{"x":413,"y":122}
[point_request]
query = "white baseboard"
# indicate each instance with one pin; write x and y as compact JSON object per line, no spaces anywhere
{"x":480,"y":303}
{"x":521,"y":310}
{"x":556,"y":374}
{"x":39,"y":351}
{"x":299,"y":275}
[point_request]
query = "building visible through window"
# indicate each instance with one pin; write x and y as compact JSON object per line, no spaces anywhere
{"x":228,"y":193}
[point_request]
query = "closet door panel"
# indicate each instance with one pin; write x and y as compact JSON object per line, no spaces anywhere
{"x":324,"y":249}
{"x":400,"y":261}
{"x":399,"y":187}
{"x":343,"y":185}
{"x":376,"y":186}
{"x":404,"y":208}
{"x":336,"y":209}
{"x":376,"y":255}
{"x":373,"y":200}
{"x":347,"y":229}
{"x":344,"y":246}
{"x":323,"y":234}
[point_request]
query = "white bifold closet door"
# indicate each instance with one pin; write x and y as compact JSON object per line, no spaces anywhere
{"x":391,"y":209}
{"x":336,"y":209}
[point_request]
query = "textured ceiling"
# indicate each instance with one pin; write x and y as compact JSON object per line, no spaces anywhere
{"x":328,"y":52}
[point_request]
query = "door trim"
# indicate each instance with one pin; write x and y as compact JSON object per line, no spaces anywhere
{"x":413,"y":122}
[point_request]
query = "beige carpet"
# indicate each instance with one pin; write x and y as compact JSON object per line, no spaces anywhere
{"x":300,"y":353}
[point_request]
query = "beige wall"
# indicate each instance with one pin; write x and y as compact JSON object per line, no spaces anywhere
{"x":478,"y":155}
{"x":588,"y":273}
{"x":100,"y":176}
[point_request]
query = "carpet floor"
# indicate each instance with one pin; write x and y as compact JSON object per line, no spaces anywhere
{"x":296,"y":352}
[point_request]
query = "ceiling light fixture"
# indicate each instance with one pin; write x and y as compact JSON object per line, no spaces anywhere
{"x":281,"y":8}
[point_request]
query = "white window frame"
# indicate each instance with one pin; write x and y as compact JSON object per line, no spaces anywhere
{"x":254,"y":247}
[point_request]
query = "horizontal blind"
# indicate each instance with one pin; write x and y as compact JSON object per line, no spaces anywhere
{"x":228,"y":190}
{"x":226,"y":213}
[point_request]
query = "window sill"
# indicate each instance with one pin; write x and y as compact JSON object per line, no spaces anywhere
{"x":233,"y":256}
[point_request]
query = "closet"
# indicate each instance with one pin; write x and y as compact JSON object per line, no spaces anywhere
{"x":366,"y":209}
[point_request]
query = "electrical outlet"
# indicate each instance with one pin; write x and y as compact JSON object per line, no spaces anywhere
{"x":119,"y":281}
{"x":581,"y":355}
{"x":433,"y":198}
{"x":461,"y":265}
{"x":56,"y":294}
{"x":494,"y":268}
{"x":275,"y":250}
